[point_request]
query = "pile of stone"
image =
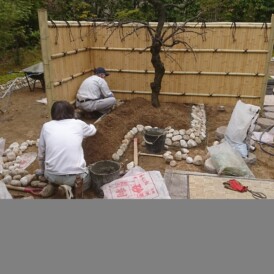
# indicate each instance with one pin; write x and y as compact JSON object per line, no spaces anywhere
{"x":12,"y":174}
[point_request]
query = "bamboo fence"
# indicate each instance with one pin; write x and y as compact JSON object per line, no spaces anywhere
{"x":223,"y":63}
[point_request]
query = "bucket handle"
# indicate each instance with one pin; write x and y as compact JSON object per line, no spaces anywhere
{"x":152,"y":143}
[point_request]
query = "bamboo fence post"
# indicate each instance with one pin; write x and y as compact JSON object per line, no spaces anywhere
{"x":45,"y":45}
{"x":270,"y":49}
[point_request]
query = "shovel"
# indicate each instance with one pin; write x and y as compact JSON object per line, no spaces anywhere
{"x":32,"y":190}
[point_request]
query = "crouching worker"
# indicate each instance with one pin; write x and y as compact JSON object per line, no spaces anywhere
{"x":60,"y":151}
{"x":94,"y":94}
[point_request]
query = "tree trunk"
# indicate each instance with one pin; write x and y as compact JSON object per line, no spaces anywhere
{"x":159,"y":73}
{"x":155,"y":53}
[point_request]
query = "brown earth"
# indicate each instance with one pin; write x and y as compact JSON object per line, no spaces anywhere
{"x":25,"y":117}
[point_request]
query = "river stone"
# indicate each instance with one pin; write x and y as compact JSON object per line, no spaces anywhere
{"x":168,"y":142}
{"x":198,"y":160}
{"x":189,"y":160}
{"x":173,"y":163}
{"x":185,"y":150}
{"x":220,"y":132}
{"x":183,"y":143}
{"x":209,"y":166}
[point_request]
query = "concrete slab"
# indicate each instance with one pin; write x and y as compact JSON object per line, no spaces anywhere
{"x":196,"y":185}
{"x":269,"y":108}
{"x":265,"y":122}
{"x":269,"y":100}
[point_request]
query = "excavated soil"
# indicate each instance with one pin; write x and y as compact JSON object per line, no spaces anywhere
{"x":25,"y":117}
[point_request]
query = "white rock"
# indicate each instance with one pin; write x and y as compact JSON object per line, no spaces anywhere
{"x":189,"y":160}
{"x":14,"y":145}
{"x":186,"y":137}
{"x":168,"y":142}
{"x":15,"y":183}
{"x":167,"y":153}
{"x":148,"y":127}
{"x":130,"y":165}
{"x":192,"y":136}
{"x":209,"y":167}
{"x":168,"y":158}
{"x":169,"y":135}
{"x":197,"y":140}
{"x":120,"y":152}
{"x":198,"y":160}
{"x":183,"y":143}
{"x":134,"y":130}
{"x":182,"y":132}
{"x":176,"y":144}
{"x":11,"y":156}
{"x":215,"y":143}
{"x":171,"y":130}
{"x":16,"y":177}
{"x":185,"y":150}
{"x":23,"y":148}
{"x":178,"y":156}
{"x":177,"y":138}
{"x":27,"y":179}
{"x":173,"y":163}
{"x":140,"y":128}
{"x":115,"y":157}
{"x":7,"y":179}
{"x":184,"y":156}
{"x":175,"y":132}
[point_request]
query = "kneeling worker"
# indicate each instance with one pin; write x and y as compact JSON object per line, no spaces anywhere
{"x":94,"y":94}
{"x":60,"y":151}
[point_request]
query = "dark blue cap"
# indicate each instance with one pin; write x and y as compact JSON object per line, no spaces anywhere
{"x":101,"y":70}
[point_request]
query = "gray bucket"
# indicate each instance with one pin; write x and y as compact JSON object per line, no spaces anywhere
{"x":104,"y":172}
{"x":155,"y":139}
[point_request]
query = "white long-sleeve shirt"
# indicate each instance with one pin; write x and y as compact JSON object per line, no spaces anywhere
{"x":60,"y":145}
{"x":94,"y":87}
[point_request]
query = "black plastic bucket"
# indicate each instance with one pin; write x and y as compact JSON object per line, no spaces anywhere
{"x":104,"y":172}
{"x":155,"y":139}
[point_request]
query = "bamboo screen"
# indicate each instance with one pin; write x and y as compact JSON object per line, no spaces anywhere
{"x":223,"y":63}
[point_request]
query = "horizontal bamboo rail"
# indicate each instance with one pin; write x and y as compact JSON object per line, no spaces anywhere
{"x":153,"y":24}
{"x":140,"y":50}
{"x":187,"y":94}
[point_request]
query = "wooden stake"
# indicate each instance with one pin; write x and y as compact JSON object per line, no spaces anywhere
{"x":152,"y":155}
{"x":135,"y":155}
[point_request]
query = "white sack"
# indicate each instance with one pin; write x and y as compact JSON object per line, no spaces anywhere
{"x":241,"y":126}
{"x":143,"y":185}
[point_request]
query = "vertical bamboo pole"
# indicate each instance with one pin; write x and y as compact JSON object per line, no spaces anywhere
{"x":270,"y":49}
{"x":46,"y":54}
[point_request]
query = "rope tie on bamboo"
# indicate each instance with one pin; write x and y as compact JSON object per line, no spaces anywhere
{"x":238,"y":96}
{"x":72,"y":77}
{"x":245,"y":51}
{"x":227,"y":73}
{"x":210,"y":94}
{"x":133,"y":91}
{"x":57,"y":33}
{"x":106,"y":48}
{"x":203,"y":27}
{"x":146,"y":71}
{"x":80,"y":26}
{"x":120,"y":70}
{"x":71,"y":38}
{"x":172,"y":72}
{"x":133,"y":49}
{"x":264,"y":26}
{"x":76,"y":51}
{"x":64,"y":53}
{"x":257,"y":74}
{"x":199,"y":72}
{"x":215,"y":50}
{"x":233,"y":27}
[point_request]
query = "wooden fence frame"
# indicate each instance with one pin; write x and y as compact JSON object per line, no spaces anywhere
{"x":62,"y":82}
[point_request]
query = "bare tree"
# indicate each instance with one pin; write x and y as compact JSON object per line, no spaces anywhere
{"x":162,"y":38}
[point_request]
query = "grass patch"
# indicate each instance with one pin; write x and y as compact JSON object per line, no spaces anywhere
{"x":9,"y":70}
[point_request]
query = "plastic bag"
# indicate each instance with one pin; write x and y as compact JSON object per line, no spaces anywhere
{"x":241,"y":125}
{"x":228,"y":161}
{"x":4,"y":194}
{"x":2,"y":149}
